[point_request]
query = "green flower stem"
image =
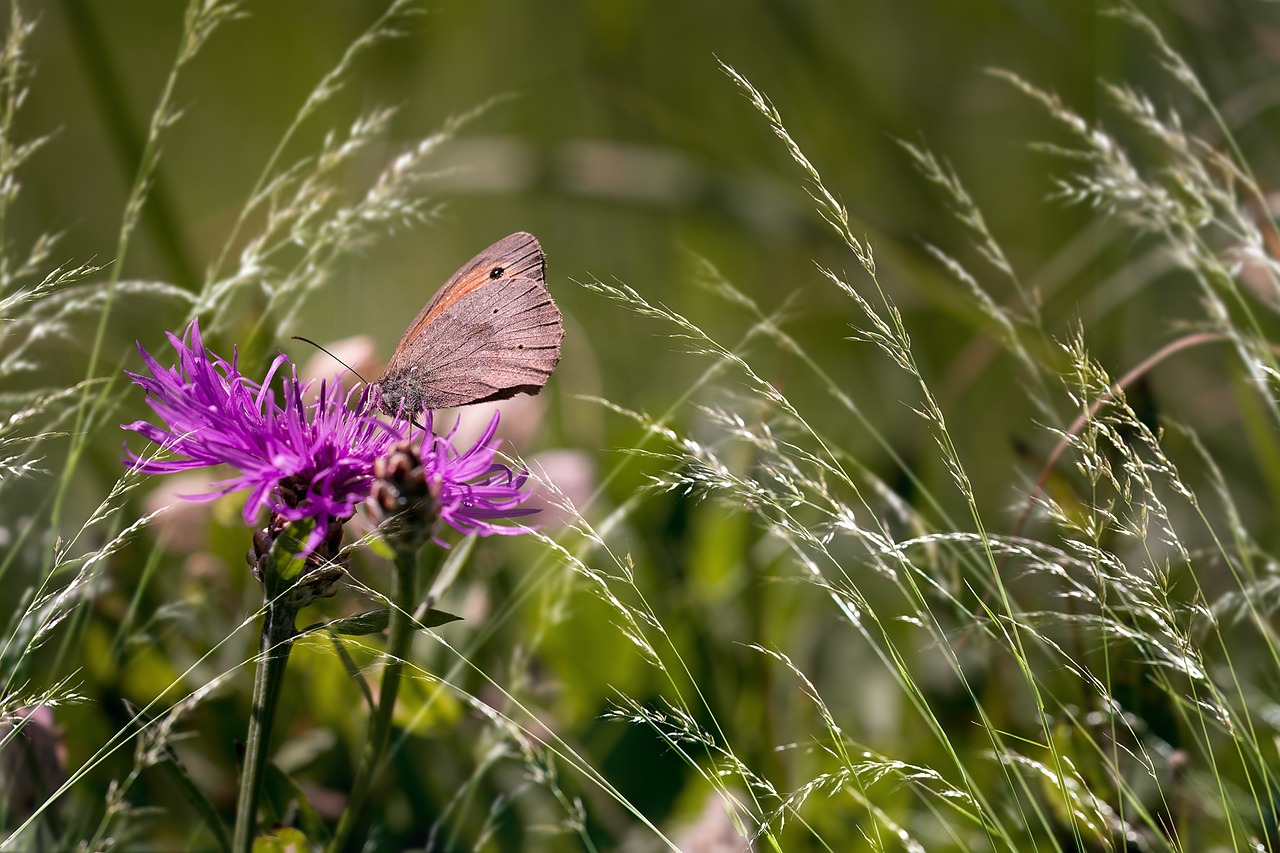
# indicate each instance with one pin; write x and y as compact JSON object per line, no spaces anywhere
{"x":279,"y":628}
{"x":399,"y":638}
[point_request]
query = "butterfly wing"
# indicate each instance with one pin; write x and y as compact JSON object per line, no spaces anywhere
{"x":491,"y":332}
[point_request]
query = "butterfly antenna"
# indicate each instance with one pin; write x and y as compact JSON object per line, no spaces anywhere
{"x":332,"y":356}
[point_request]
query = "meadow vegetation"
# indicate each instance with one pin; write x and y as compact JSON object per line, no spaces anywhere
{"x":792,"y":601}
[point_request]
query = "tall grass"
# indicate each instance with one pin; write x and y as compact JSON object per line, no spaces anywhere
{"x":1113,"y":652}
{"x":849,"y":656}
{"x":301,"y":219}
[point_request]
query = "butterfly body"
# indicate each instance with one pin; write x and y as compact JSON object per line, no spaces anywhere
{"x":491,"y":332}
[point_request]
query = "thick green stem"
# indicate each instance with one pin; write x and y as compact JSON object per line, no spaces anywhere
{"x":399,"y":638}
{"x":278,"y":632}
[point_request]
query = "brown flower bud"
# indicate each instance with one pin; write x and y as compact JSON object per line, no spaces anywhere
{"x":402,"y":502}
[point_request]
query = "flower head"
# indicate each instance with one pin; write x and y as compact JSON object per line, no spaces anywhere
{"x":314,"y":461}
{"x":300,"y":460}
{"x":434,"y":482}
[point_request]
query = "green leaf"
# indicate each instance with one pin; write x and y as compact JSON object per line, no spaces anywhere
{"x":284,"y":839}
{"x":435,"y":618}
{"x":280,"y":792}
{"x":453,"y":564}
{"x":283,"y":562}
{"x":361,"y":624}
{"x":380,"y":546}
{"x":374,"y":621}
{"x":354,"y":671}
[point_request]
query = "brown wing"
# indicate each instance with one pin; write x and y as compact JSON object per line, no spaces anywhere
{"x":516,"y":256}
{"x":491,"y":332}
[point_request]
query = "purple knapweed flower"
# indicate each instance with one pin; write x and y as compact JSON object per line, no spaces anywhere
{"x":471,"y":490}
{"x":300,"y":460}
{"x":305,"y":460}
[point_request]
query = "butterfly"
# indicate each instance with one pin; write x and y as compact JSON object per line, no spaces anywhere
{"x":490,"y":333}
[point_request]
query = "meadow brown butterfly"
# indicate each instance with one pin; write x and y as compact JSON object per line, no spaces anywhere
{"x":491,"y":332}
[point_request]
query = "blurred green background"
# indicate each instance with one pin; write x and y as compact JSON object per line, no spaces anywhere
{"x":619,"y":142}
{"x":627,"y":151}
